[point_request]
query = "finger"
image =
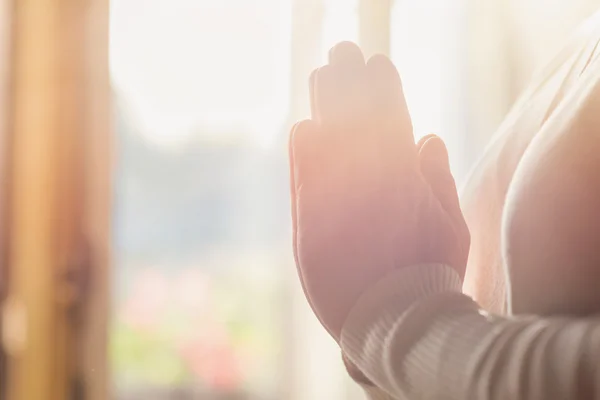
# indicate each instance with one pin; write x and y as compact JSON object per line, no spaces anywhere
{"x":390,"y":110}
{"x":291,"y":166}
{"x":301,"y":139}
{"x":422,"y":141}
{"x":293,"y":192}
{"x":435,"y":167}
{"x":326,"y":94}
{"x":297,"y":147}
{"x":348,"y":62}
{"x":304,"y":153}
{"x":346,"y":55}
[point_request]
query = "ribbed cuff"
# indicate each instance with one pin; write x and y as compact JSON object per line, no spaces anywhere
{"x":380,"y":308}
{"x":394,"y":294}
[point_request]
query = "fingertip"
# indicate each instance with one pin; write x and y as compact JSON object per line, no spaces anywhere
{"x":388,"y":103}
{"x":323,"y":76}
{"x":304,"y":150}
{"x":434,"y":153}
{"x":380,"y":63}
{"x":435,"y":168}
{"x":291,"y":139}
{"x":377,"y":59}
{"x":311,"y":78}
{"x":303,"y":137}
{"x":346,"y":54}
{"x":325,"y":92}
{"x":422,"y":141}
{"x":386,"y":84}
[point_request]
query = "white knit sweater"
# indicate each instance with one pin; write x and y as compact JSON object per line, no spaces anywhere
{"x":415,"y":336}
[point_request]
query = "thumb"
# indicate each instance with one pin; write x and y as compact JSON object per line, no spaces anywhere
{"x":435,"y":167}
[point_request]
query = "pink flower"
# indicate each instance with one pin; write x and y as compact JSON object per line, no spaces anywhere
{"x":148,"y":300}
{"x":213,"y":360}
{"x":192,"y":292}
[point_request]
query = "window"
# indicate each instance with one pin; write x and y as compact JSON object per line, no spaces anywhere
{"x":201,"y":91}
{"x":205,"y":301}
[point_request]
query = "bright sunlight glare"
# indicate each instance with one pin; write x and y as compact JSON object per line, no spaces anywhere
{"x":220,"y":69}
{"x":206,"y":68}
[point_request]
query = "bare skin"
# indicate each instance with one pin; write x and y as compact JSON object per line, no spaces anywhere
{"x":363,"y":193}
{"x":531,"y":202}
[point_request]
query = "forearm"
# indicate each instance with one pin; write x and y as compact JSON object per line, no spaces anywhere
{"x":416,"y":336}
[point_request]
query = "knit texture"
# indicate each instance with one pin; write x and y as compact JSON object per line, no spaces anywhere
{"x":415,"y":336}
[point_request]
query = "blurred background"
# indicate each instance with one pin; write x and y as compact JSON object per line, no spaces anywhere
{"x":205,"y":298}
{"x":202,"y":300}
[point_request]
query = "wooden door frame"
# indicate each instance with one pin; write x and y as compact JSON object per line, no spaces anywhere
{"x":5,"y":50}
{"x":55,"y":317}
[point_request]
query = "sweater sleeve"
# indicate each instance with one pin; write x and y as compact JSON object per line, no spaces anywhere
{"x":371,"y":391}
{"x":415,"y":336}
